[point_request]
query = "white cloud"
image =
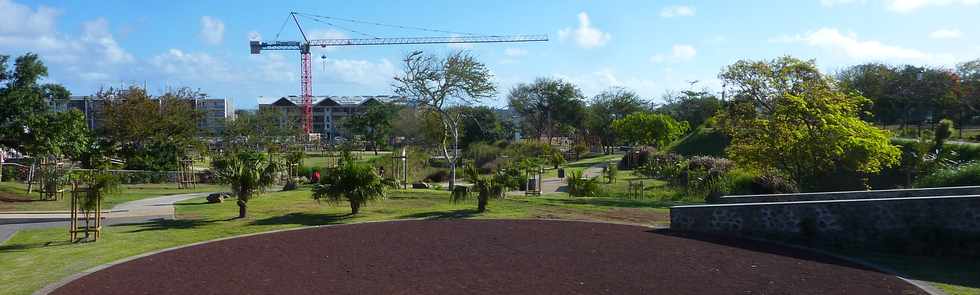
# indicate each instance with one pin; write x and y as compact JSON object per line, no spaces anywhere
{"x":586,"y":36}
{"x":677,"y":11}
{"x":946,"y":34}
{"x":362,"y":72}
{"x":849,"y":45}
{"x":179,"y":65}
{"x":832,"y":3}
{"x":678,"y":53}
{"x":254,"y":36}
{"x":22,"y":20}
{"x":97,"y":33}
{"x":515,"y":52}
{"x":905,"y":6}
{"x":605,"y":78}
{"x":212,"y":30}
{"x":327,"y":34}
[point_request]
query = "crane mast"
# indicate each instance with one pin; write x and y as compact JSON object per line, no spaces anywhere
{"x":306,"y":62}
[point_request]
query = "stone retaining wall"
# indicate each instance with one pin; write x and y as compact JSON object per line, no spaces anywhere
{"x":852,"y":195}
{"x":917,"y":224}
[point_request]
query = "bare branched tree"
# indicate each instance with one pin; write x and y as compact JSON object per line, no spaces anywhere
{"x":437,"y":84}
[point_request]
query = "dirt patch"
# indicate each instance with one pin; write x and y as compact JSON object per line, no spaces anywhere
{"x":484,"y":257}
{"x":619,"y":215}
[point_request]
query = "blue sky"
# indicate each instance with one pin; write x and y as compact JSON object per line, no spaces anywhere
{"x":647,"y":46}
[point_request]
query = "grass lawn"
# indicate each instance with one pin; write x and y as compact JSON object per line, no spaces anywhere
{"x":129,"y":192}
{"x":32,"y":259}
{"x":953,"y":276}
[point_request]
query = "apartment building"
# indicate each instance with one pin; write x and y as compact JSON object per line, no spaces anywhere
{"x":329,"y":112}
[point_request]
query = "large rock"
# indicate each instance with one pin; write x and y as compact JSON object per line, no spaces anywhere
{"x":420,"y":185}
{"x":217,"y":197}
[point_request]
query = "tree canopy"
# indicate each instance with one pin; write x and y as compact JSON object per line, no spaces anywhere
{"x":645,"y":128}
{"x":606,"y":107}
{"x":548,"y":107}
{"x":788,"y":117}
{"x":151,"y":133}
{"x":27,"y":123}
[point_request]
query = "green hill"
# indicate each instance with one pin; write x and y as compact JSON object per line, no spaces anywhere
{"x":704,"y":141}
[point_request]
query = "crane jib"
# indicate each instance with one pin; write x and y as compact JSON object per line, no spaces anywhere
{"x":258,"y":46}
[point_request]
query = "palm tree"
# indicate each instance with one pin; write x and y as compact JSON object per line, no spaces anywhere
{"x":247,"y":172}
{"x":357,"y":184}
{"x":486,"y":187}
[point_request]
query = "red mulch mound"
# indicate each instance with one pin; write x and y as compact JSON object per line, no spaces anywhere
{"x":484,"y":257}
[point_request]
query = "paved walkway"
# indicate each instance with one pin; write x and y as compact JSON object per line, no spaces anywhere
{"x":554,"y":185}
{"x":129,"y":212}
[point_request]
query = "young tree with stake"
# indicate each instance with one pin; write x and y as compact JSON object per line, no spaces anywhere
{"x":438,"y":84}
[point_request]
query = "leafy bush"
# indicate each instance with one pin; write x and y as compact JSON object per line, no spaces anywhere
{"x":579,"y":186}
{"x":968,"y":174}
{"x":438,"y":176}
{"x":670,"y":167}
{"x":611,"y":172}
{"x":525,"y":150}
{"x":483,"y":153}
{"x":355,"y":183}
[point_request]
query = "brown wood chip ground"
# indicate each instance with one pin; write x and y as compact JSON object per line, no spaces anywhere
{"x":484,"y":257}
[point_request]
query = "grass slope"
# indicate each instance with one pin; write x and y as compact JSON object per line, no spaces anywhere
{"x":703,"y":141}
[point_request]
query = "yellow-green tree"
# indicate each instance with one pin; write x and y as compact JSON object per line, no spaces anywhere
{"x":787,"y":116}
{"x":644,"y":128}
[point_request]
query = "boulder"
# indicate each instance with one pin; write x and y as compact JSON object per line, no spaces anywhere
{"x":217,"y":197}
{"x":420,"y":185}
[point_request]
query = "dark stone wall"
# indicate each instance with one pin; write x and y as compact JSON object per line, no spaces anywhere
{"x":853,"y":195}
{"x":917,"y":225}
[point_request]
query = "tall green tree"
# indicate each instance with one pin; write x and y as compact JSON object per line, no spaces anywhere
{"x":483,"y":124}
{"x":693,"y":106}
{"x":26,"y":122}
{"x":548,"y":107}
{"x":151,"y":133}
{"x":374,"y":125}
{"x":608,"y":106}
{"x":438,"y":85}
{"x":248,"y":173}
{"x":787,"y":116}
{"x":657,"y":130}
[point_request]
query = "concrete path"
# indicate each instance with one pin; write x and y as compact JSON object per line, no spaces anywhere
{"x":554,"y":185}
{"x":129,"y":212}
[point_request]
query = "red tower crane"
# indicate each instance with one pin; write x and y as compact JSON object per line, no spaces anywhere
{"x":306,"y":79}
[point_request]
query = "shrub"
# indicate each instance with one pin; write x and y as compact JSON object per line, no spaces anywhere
{"x":773,"y":184}
{"x":670,"y":167}
{"x":709,"y":163}
{"x":438,"y":176}
{"x":611,"y":172}
{"x":968,"y":174}
{"x":528,"y":150}
{"x":579,"y":186}
{"x":483,"y":153}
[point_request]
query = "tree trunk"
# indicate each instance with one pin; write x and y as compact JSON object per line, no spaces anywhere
{"x":242,"y":208}
{"x":481,"y":203}
{"x":355,"y":207}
